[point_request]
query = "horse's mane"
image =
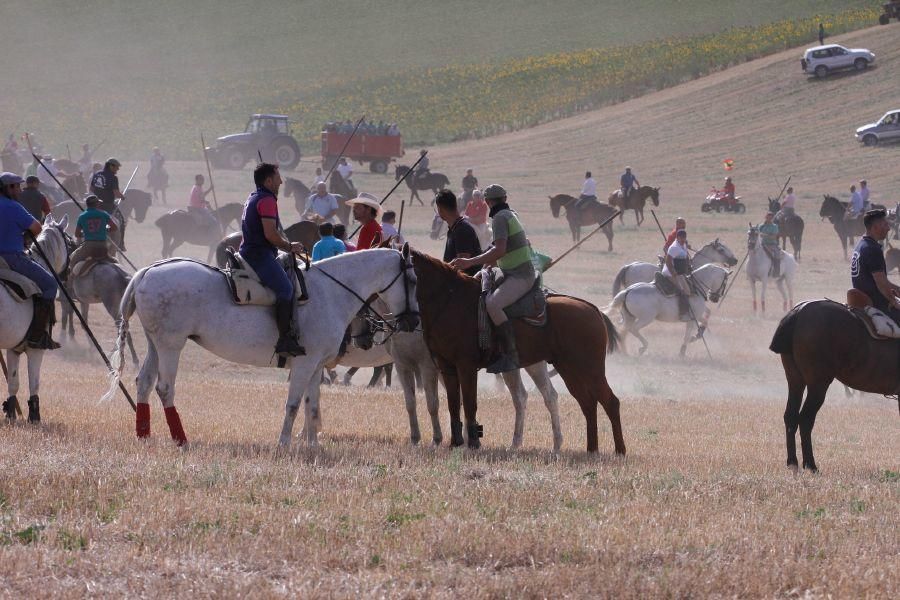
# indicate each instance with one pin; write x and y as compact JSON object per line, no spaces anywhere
{"x":442,"y":269}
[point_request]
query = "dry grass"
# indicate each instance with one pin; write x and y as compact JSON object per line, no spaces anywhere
{"x":702,"y":506}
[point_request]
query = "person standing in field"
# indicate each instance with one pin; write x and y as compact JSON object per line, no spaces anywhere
{"x":821,"y":34}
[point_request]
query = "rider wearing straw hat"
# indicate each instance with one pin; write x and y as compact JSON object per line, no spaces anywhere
{"x":366,"y":210}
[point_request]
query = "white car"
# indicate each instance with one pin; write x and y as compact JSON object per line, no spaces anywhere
{"x":886,"y":129}
{"x":822,"y":60}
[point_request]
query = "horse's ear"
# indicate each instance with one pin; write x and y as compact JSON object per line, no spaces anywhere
{"x":64,"y":223}
{"x":405,"y":251}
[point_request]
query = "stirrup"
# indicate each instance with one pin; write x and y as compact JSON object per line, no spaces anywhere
{"x":45,"y":342}
{"x":504,"y":364}
{"x":287,"y":346}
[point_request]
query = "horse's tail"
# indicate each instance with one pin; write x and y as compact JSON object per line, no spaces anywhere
{"x":619,"y":281}
{"x":783,"y":339}
{"x":613,"y":338}
{"x":117,"y":357}
{"x":618,"y":303}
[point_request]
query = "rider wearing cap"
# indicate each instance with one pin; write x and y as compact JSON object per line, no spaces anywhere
{"x":512,"y":253}
{"x":105,"y":185}
{"x":14,"y":222}
{"x":262,"y":239}
{"x":91,"y":227}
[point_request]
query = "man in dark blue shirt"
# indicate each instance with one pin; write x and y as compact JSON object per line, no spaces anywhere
{"x":867,"y":268}
{"x":462,"y":240}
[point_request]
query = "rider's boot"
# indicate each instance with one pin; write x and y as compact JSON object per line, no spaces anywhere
{"x":38,"y":335}
{"x":287,"y":344}
{"x":509,"y":356}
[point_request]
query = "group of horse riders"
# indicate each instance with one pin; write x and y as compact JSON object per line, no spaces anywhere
{"x":628,"y":182}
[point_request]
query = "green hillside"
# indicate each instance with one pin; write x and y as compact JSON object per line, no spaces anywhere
{"x":156,"y":73}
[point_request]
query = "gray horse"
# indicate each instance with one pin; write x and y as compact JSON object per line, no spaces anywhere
{"x":104,"y":284}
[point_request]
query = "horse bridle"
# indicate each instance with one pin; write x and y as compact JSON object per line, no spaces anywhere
{"x":407,"y":316}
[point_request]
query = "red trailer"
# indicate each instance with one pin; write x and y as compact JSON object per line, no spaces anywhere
{"x":377,"y":150}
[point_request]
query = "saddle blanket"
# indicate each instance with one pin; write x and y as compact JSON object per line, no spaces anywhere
{"x":86,"y":266}
{"x":20,"y":287}
{"x":879,"y":325}
{"x":531,"y":308}
{"x":247,"y":289}
{"x":664,"y":285}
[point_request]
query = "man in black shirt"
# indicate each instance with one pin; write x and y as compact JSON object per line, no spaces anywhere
{"x":34,"y":201}
{"x":105,"y":185}
{"x":469,"y":183}
{"x":462,"y":240}
{"x":867,"y":268}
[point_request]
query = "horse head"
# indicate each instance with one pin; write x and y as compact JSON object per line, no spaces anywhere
{"x":654,"y":196}
{"x":831,"y":207}
{"x":752,"y":237}
{"x":54,"y":242}
{"x":407,"y":319}
{"x":728,"y":257}
{"x":774,"y":205}
{"x":400,"y":171}
{"x":555,"y":205}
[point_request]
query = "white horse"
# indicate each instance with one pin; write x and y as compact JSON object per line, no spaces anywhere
{"x":184,"y":300}
{"x":412,"y":358}
{"x":759,"y":266}
{"x":16,"y":318}
{"x":104,"y":284}
{"x":715,"y":252}
{"x":642,"y":303}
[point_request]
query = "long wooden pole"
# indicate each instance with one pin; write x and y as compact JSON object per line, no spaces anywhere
{"x":400,"y":222}
{"x":583,"y":240}
{"x":211,"y":184}
{"x":396,"y":185}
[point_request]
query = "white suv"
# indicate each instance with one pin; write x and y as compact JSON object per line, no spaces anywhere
{"x":822,"y":60}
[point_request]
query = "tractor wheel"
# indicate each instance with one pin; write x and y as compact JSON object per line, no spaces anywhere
{"x":860,"y":64}
{"x":821,"y":71}
{"x":884,"y":19}
{"x":378,"y":166}
{"x":286,"y":153}
{"x":234,"y":159}
{"x":870,"y":139}
{"x":720,"y":208}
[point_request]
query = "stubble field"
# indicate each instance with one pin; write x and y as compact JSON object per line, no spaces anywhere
{"x":701,"y":506}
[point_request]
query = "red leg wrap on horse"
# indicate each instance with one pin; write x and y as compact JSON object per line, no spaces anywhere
{"x":142,"y":421}
{"x":175,"y":427}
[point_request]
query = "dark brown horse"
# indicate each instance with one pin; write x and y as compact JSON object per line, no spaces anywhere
{"x":636,"y":202}
{"x":594,"y":214}
{"x":305,"y":232}
{"x":847,"y":229}
{"x":821,"y":341}
{"x":575,"y":340}
{"x":178,"y":227}
{"x":789,"y":227}
{"x":430,"y":181}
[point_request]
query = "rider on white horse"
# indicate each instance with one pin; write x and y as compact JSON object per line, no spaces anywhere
{"x":14,"y":222}
{"x":512,"y":253}
{"x":677,"y":267}
{"x":91,"y":226}
{"x":263,"y":237}
{"x":768,"y":232}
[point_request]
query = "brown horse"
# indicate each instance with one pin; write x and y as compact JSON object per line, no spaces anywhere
{"x":576,"y":340}
{"x":430,"y":181}
{"x":789,"y":227}
{"x":178,"y":227}
{"x":593,"y":214}
{"x":821,"y":341}
{"x":636,"y":202}
{"x":847,"y":229}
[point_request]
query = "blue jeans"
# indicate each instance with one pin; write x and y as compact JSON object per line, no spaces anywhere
{"x":23,"y":265}
{"x":272,"y":275}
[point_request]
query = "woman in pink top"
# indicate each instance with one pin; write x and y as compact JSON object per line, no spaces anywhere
{"x":198,"y":207}
{"x":477,"y":213}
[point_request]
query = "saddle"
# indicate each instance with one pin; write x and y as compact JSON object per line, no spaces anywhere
{"x":85,"y":266}
{"x":879,"y":325}
{"x":247,"y":289}
{"x":664,"y":285}
{"x":20,"y":287}
{"x":530,"y":308}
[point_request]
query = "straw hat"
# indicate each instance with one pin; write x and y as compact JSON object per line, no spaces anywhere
{"x":366,"y":199}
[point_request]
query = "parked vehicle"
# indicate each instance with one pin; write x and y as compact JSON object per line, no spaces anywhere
{"x":377,"y":150}
{"x":891,"y":11}
{"x":269,"y":135}
{"x":822,"y":60}
{"x":719,"y":201}
{"x":886,"y":129}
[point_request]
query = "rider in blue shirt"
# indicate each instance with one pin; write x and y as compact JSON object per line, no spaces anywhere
{"x":262,"y":239}
{"x":14,"y":222}
{"x":628,"y":181}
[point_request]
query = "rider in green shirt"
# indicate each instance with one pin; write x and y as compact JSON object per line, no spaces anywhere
{"x":768,"y":232}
